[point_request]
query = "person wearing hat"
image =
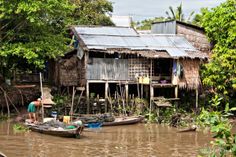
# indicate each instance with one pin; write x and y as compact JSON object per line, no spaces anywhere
{"x":32,"y":109}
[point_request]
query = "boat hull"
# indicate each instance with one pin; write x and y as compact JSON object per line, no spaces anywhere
{"x":123,"y":121}
{"x":71,"y":133}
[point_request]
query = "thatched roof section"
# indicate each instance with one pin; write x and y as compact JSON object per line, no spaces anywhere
{"x":191,"y":78}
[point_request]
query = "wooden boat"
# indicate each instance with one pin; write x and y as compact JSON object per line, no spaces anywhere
{"x":2,"y":155}
{"x":191,"y":129}
{"x":76,"y":132}
{"x":124,"y":121}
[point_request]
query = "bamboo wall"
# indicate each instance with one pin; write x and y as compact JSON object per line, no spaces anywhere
{"x":139,"y":67}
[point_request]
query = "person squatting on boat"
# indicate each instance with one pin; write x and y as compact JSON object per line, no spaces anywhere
{"x":32,"y":109}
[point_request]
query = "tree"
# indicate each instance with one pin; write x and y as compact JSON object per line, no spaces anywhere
{"x":32,"y":31}
{"x":178,"y":13}
{"x":220,"y":26}
{"x":92,"y":12}
{"x":197,"y":19}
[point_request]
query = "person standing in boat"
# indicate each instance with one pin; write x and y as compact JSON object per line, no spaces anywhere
{"x":32,"y":109}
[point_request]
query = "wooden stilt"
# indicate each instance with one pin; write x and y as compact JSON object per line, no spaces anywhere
{"x":196,"y":99}
{"x":176,"y":91}
{"x":106,"y":95}
{"x":151,"y":92}
{"x":126,"y":93}
{"x":41,"y":88}
{"x":72,"y":103}
{"x":151,"y":98}
{"x":141,"y":91}
{"x":87,"y":96}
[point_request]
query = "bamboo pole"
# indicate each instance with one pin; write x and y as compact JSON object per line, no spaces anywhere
{"x":8,"y":108}
{"x":72,"y":102}
{"x":106,"y":95}
{"x":151,"y":92}
{"x":12,"y":104}
{"x":196,"y":105}
{"x":41,"y":89}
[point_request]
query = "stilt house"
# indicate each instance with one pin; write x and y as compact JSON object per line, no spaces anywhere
{"x":148,"y":65}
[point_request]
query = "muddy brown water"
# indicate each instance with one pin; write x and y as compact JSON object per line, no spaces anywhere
{"x":140,"y":140}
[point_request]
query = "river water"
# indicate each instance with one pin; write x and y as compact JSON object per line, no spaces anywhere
{"x":141,"y":140}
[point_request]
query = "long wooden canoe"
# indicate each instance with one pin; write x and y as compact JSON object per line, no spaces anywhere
{"x":123,"y":121}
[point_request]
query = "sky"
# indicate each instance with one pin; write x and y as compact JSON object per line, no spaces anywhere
{"x":144,"y":9}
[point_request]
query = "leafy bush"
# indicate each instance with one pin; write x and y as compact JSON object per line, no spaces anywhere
{"x":224,"y":141}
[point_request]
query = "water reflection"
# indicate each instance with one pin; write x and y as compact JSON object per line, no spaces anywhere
{"x":124,"y":141}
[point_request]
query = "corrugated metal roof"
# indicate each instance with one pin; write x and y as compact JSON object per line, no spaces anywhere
{"x":112,"y":41}
{"x":168,"y":27}
{"x":112,"y":31}
{"x":103,"y":38}
{"x":161,"y":42}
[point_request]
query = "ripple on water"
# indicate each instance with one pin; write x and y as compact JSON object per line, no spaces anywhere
{"x":124,"y":141}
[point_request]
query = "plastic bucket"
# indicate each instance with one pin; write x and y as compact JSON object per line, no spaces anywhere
{"x":54,"y":114}
{"x":66,"y":119}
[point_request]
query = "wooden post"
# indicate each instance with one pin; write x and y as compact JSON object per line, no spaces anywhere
{"x":126,"y":92}
{"x":141,"y":91}
{"x":41,"y":88}
{"x":72,"y":102}
{"x":151,"y":92}
{"x":176,"y":91}
{"x":196,"y":99}
{"x":138,"y":89}
{"x":106,"y":95}
{"x":196,"y":105}
{"x":87,"y":96}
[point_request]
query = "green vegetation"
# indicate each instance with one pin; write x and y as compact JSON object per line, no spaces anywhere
{"x":219,"y":75}
{"x":218,"y":122}
{"x":20,"y":128}
{"x":32,"y":32}
{"x":220,"y":25}
{"x":92,"y":12}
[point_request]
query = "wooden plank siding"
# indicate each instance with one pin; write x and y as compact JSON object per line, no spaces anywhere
{"x":107,"y":69}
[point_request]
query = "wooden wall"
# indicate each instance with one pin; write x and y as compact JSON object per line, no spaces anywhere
{"x":107,"y":69}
